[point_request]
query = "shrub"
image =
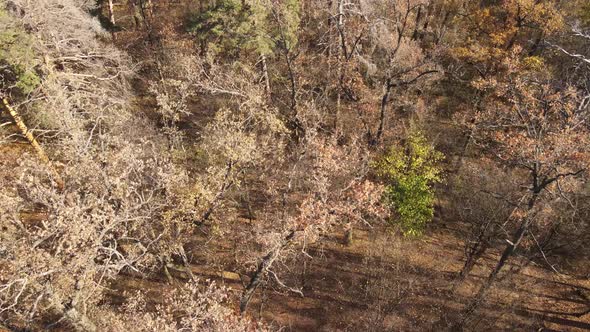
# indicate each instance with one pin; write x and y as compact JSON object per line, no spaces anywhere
{"x":410,"y":172}
{"x":17,"y":57}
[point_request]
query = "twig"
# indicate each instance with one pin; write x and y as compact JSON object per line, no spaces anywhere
{"x":291,"y":289}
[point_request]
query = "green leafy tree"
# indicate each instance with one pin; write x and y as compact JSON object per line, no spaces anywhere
{"x":411,"y":172}
{"x":17,"y":57}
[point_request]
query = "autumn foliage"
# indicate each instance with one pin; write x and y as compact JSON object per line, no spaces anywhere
{"x":187,"y":144}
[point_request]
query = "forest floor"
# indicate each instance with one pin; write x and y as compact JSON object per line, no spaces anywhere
{"x":386,"y":282}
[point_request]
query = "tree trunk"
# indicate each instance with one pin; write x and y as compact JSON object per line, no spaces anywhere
{"x":265,"y":76}
{"x":292,"y":81}
{"x":150,"y":8}
{"x":442,"y":29}
{"x":469,"y":135}
{"x":136,"y":14}
{"x":111,"y":13}
{"x":506,"y":254}
{"x":225,"y":185}
{"x":262,"y":270}
{"x":477,"y":249}
{"x":429,"y":10}
{"x":341,"y":57}
{"x":349,"y":236}
{"x":473,"y":256}
{"x":297,"y":126}
{"x":384,"y":102}
{"x":416,"y":26}
{"x":463,"y":152}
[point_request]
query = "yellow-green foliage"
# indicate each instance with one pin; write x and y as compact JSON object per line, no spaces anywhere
{"x":410,"y":173}
{"x":534,"y":62}
{"x":17,"y":57}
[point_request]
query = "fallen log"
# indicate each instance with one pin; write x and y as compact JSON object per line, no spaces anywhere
{"x":33,"y":141}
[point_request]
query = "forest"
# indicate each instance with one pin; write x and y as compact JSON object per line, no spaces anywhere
{"x":294,"y":165}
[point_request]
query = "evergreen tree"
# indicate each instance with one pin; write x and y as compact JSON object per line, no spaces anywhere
{"x":17,"y":57}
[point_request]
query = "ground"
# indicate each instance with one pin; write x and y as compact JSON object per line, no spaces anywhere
{"x":386,"y":282}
